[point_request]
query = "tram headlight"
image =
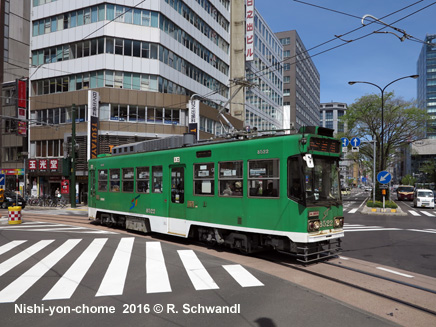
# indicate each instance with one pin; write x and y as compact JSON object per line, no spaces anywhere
{"x":313,"y":225}
{"x":339,"y":222}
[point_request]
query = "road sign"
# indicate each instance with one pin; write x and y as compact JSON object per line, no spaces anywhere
{"x":355,"y":141}
{"x":344,"y":141}
{"x":384,"y":177}
{"x":2,"y":179}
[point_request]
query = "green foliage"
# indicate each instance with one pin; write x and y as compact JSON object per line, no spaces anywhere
{"x":408,"y":180}
{"x":379,"y":204}
{"x":402,"y":123}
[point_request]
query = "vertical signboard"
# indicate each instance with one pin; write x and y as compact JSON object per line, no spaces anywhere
{"x":93,"y":108}
{"x":249,"y":30}
{"x":194,"y":117}
{"x":22,"y":107}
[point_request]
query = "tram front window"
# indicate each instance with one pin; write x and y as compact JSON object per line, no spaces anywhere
{"x":321,"y":182}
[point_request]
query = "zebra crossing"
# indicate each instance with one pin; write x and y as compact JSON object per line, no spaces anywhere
{"x":114,"y":277}
{"x":422,"y":212}
{"x":36,"y":226}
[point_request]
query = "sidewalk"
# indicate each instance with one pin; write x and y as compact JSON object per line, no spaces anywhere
{"x":79,"y":207}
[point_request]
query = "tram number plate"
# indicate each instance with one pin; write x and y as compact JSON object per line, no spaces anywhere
{"x":326,"y":223}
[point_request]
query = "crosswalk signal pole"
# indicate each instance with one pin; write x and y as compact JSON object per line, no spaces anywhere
{"x":73,"y":157}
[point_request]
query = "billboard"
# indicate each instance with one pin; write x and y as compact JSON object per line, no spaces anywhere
{"x":93,"y":108}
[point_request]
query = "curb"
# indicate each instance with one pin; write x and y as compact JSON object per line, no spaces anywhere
{"x":379,"y":211}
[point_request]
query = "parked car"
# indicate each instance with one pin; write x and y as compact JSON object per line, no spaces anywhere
{"x":10,"y":199}
{"x":405,"y":192}
{"x":423,"y":198}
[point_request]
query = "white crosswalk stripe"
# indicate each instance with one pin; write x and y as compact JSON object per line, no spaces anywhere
{"x":199,"y":276}
{"x":113,"y":281}
{"x":114,"y":276}
{"x":20,"y":285}
{"x":50,"y":227}
{"x":414,"y":213}
{"x":427,"y":213}
{"x":66,"y":286}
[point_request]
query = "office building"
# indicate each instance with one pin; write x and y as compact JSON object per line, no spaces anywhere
{"x":145,"y":59}
{"x":426,"y":91}
{"x":14,"y":71}
{"x":301,"y":81}
{"x":330,"y":114}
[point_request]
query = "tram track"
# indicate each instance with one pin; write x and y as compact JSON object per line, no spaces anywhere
{"x":415,"y":296}
{"x":358,"y":283}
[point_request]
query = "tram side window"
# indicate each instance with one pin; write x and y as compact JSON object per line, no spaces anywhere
{"x":264,"y":178}
{"x":294,"y":180}
{"x":142,"y":179}
{"x":114,"y":175}
{"x":156,"y":172}
{"x":204,"y":179}
{"x":102,"y":180}
{"x":128,"y":176}
{"x":230,"y":178}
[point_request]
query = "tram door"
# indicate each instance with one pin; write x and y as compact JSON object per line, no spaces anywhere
{"x":177,"y":204}
{"x":91,"y":191}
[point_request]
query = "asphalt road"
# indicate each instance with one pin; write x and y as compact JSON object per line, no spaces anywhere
{"x":55,"y":274}
{"x":402,"y":241}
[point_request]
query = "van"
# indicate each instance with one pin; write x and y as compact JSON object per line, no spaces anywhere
{"x":405,"y":192}
{"x":423,"y":198}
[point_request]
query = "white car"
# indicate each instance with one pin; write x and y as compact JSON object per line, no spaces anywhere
{"x":423,"y":198}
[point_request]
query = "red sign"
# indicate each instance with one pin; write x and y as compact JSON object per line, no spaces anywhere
{"x":65,"y":186}
{"x":22,"y":94}
{"x":43,"y":164}
{"x":54,"y":165}
{"x":22,"y":128}
{"x":31,"y":164}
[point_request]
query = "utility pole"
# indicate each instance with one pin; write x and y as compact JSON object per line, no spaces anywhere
{"x":73,"y":157}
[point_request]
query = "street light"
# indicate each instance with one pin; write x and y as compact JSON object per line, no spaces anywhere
{"x":382,"y":107}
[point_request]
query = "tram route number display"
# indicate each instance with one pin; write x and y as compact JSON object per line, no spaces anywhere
{"x":324,"y":145}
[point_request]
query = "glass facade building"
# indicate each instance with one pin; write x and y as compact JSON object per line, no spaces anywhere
{"x":426,"y":92}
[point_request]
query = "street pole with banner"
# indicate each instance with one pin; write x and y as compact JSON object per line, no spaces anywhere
{"x":93,"y":111}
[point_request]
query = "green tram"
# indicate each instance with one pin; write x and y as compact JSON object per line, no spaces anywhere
{"x":280,"y":192}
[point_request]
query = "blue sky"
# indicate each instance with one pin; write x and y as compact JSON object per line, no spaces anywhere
{"x":377,"y":58}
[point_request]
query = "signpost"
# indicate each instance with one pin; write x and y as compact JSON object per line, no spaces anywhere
{"x":384,"y":177}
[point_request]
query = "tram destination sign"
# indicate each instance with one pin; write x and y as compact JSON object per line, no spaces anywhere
{"x":324,"y":145}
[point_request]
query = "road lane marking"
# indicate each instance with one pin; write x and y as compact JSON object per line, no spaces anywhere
{"x":66,"y":286}
{"x":115,"y":277}
{"x":199,"y":276}
{"x":414,"y":213}
{"x":20,"y":285}
{"x":156,"y":271}
{"x":9,"y":246}
{"x":242,"y":276}
{"x":395,"y":272}
{"x":20,"y":257}
{"x":353,"y":210}
{"x":427,"y":213}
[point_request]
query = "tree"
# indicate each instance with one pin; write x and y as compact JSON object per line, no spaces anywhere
{"x":408,"y":180}
{"x":403,"y":123}
{"x":429,"y":169}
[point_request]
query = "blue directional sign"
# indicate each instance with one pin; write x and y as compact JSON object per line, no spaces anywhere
{"x":344,"y":141}
{"x":355,"y":141}
{"x":384,"y":177}
{"x":2,"y":179}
